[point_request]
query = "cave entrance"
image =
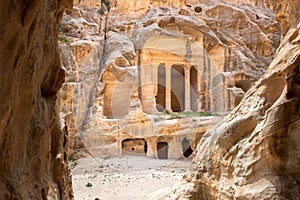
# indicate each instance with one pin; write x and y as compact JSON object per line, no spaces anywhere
{"x":193,"y":85}
{"x":161,"y":88}
{"x":134,"y":145}
{"x":186,"y":148}
{"x":162,"y":150}
{"x":177,"y":88}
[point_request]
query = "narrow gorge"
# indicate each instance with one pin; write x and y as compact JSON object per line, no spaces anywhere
{"x":211,"y":82}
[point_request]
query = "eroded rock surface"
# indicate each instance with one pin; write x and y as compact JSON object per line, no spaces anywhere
{"x":33,"y":156}
{"x":125,"y":57}
{"x":254,"y":153}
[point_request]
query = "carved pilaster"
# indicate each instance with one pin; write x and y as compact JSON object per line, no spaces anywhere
{"x":187,"y":94}
{"x":168,"y":88}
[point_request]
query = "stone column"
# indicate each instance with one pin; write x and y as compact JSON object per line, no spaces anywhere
{"x":168,"y":87}
{"x":154,"y":67}
{"x":187,"y":94}
{"x":201,"y":92}
{"x":151,"y":148}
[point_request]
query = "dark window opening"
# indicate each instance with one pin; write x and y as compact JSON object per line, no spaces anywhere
{"x":198,"y":9}
{"x":186,"y":148}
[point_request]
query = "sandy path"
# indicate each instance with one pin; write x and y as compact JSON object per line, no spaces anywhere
{"x":126,"y":178}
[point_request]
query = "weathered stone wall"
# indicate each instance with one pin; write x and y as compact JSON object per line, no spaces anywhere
{"x":112,"y":66}
{"x":231,"y":43}
{"x":254,"y":153}
{"x":33,"y":156}
{"x":81,"y":45}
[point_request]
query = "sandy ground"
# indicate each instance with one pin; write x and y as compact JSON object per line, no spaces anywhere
{"x":131,"y":177}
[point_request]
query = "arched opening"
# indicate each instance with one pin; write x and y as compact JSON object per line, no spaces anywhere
{"x":177,"y":88}
{"x":193,"y":84}
{"x":161,"y":88}
{"x":162,"y":150}
{"x":186,"y":148}
{"x":134,"y":145}
{"x":198,"y":9}
{"x":172,"y":20}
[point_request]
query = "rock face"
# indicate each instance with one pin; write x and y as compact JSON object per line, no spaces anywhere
{"x":160,"y":56}
{"x":33,"y":156}
{"x":254,"y":153}
{"x":219,"y":55}
{"x":81,"y":50}
{"x":287,"y":14}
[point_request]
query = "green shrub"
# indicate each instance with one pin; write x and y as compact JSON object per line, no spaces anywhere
{"x":71,"y":159}
{"x":107,"y":4}
{"x":201,"y":114}
{"x":63,"y":40}
{"x":89,"y":184}
{"x":74,"y":164}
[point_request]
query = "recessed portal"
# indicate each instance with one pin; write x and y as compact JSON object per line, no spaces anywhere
{"x":161,"y":89}
{"x":135,"y":145}
{"x":162,"y":150}
{"x":177,"y":88}
{"x":193,"y":84}
{"x":186,"y":148}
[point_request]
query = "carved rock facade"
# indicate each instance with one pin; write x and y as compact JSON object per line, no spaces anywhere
{"x":254,"y":153}
{"x":160,"y":56}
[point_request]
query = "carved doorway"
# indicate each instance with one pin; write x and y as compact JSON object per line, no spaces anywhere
{"x":177,"y":88}
{"x":162,"y":150}
{"x":161,"y":88}
{"x":134,"y":145}
{"x":194,"y":91}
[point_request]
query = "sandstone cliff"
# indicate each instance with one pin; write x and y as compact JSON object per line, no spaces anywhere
{"x":254,"y":153}
{"x":33,"y":156}
{"x":116,"y":53}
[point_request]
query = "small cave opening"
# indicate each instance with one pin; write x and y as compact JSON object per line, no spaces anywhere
{"x":134,"y":145}
{"x":186,"y":148}
{"x":172,"y":20}
{"x":198,"y":9}
{"x":184,"y":12}
{"x":162,"y":24}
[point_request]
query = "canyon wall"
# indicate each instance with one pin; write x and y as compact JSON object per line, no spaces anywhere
{"x":33,"y":156}
{"x":117,"y":51}
{"x":254,"y":152}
